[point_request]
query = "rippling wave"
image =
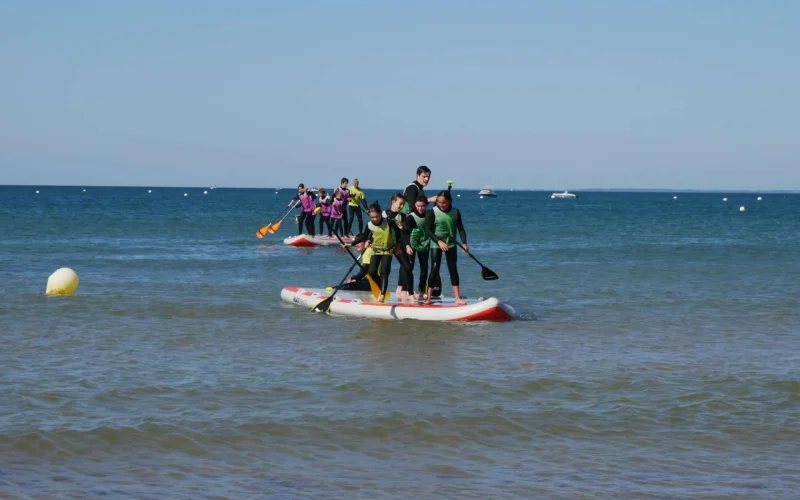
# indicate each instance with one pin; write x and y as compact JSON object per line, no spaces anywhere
{"x":656,"y":356}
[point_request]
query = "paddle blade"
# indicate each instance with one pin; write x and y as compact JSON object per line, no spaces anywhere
{"x":261,"y":232}
{"x":272,"y":228}
{"x":374,"y":288}
{"x":323,"y":306}
{"x":487,"y":274}
{"x":437,"y":286}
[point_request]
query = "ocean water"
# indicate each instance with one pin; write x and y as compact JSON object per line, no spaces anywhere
{"x":657,"y":354}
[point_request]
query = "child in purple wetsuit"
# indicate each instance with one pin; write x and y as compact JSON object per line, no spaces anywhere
{"x":346,"y":200}
{"x":325,"y":203}
{"x":338,"y":210}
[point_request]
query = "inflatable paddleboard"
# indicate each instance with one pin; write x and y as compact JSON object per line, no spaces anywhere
{"x":304,"y":240}
{"x":363,"y":305}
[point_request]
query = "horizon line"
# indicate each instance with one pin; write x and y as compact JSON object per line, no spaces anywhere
{"x":467,"y":188}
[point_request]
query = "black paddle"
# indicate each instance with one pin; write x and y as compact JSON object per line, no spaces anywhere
{"x":486,"y":273}
{"x":325,"y":305}
{"x":376,"y":290}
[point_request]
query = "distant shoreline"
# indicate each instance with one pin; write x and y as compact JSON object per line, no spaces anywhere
{"x":457,"y":188}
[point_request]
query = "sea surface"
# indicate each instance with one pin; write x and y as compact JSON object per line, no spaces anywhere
{"x":657,"y":354}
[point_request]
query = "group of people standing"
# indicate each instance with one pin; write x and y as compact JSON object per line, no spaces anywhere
{"x":336,"y":214}
{"x":408,"y":232}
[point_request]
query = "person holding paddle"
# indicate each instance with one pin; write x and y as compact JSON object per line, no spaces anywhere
{"x":307,"y":207}
{"x":383,"y":235}
{"x":441,"y":225}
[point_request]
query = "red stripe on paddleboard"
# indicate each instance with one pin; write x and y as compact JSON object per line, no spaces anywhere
{"x":493,"y":314}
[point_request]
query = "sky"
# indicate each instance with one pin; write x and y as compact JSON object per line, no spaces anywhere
{"x":510,"y":94}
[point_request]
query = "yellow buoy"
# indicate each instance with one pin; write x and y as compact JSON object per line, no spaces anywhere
{"x":62,"y":282}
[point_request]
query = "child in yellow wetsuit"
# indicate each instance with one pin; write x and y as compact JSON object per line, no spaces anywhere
{"x":383,"y":235}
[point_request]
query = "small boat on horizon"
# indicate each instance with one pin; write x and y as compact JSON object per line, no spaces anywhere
{"x":487,"y":193}
{"x":565,"y":194}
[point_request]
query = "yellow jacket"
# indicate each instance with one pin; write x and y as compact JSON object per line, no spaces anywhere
{"x":356,"y":196}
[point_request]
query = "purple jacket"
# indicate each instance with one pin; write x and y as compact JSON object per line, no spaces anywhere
{"x":325,"y":203}
{"x":307,"y":202}
{"x":338,"y":208}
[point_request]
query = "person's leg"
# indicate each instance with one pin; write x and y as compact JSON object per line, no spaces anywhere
{"x":436,"y":263}
{"x":424,"y":259}
{"x":386,"y":269}
{"x":360,"y":220}
{"x":452,"y":268}
{"x":350,"y":210}
{"x":300,"y":222}
{"x":310,"y":224}
{"x":406,"y":275}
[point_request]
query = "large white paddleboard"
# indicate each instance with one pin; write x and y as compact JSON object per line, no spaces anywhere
{"x":363,"y":305}
{"x":304,"y":240}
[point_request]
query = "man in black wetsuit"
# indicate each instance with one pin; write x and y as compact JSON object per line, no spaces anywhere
{"x":417,"y":188}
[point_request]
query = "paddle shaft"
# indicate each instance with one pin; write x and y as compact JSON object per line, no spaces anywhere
{"x":355,"y":259}
{"x":329,"y":300}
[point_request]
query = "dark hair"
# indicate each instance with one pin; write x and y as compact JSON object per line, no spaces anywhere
{"x":397,"y":196}
{"x":423,"y":199}
{"x":446,"y":195}
{"x":422,"y":169}
{"x":322,"y":190}
{"x":344,"y":179}
{"x":375,"y":207}
{"x":301,"y":185}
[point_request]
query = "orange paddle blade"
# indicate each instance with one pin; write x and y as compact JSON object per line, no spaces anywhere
{"x":272,"y":228}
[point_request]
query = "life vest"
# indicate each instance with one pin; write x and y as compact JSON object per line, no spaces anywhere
{"x":420,"y":192}
{"x":419,"y":239}
{"x":307,"y":202}
{"x":337,"y":209}
{"x":345,"y":195}
{"x":356,"y":195}
{"x":445,"y":226}
{"x":383,"y":238}
{"x":325,"y":203}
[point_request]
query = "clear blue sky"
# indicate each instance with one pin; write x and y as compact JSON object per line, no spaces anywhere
{"x":512,"y":94}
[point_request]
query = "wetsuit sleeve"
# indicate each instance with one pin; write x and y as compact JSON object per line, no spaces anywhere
{"x":405,"y":233}
{"x":361,"y":238}
{"x":361,"y":274}
{"x":401,"y":237}
{"x":461,"y":231}
{"x":428,"y":225}
{"x":411,"y":222}
{"x":410,"y":194}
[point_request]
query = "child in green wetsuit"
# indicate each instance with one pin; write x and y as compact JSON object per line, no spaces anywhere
{"x":441,"y":225}
{"x":420,"y":243}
